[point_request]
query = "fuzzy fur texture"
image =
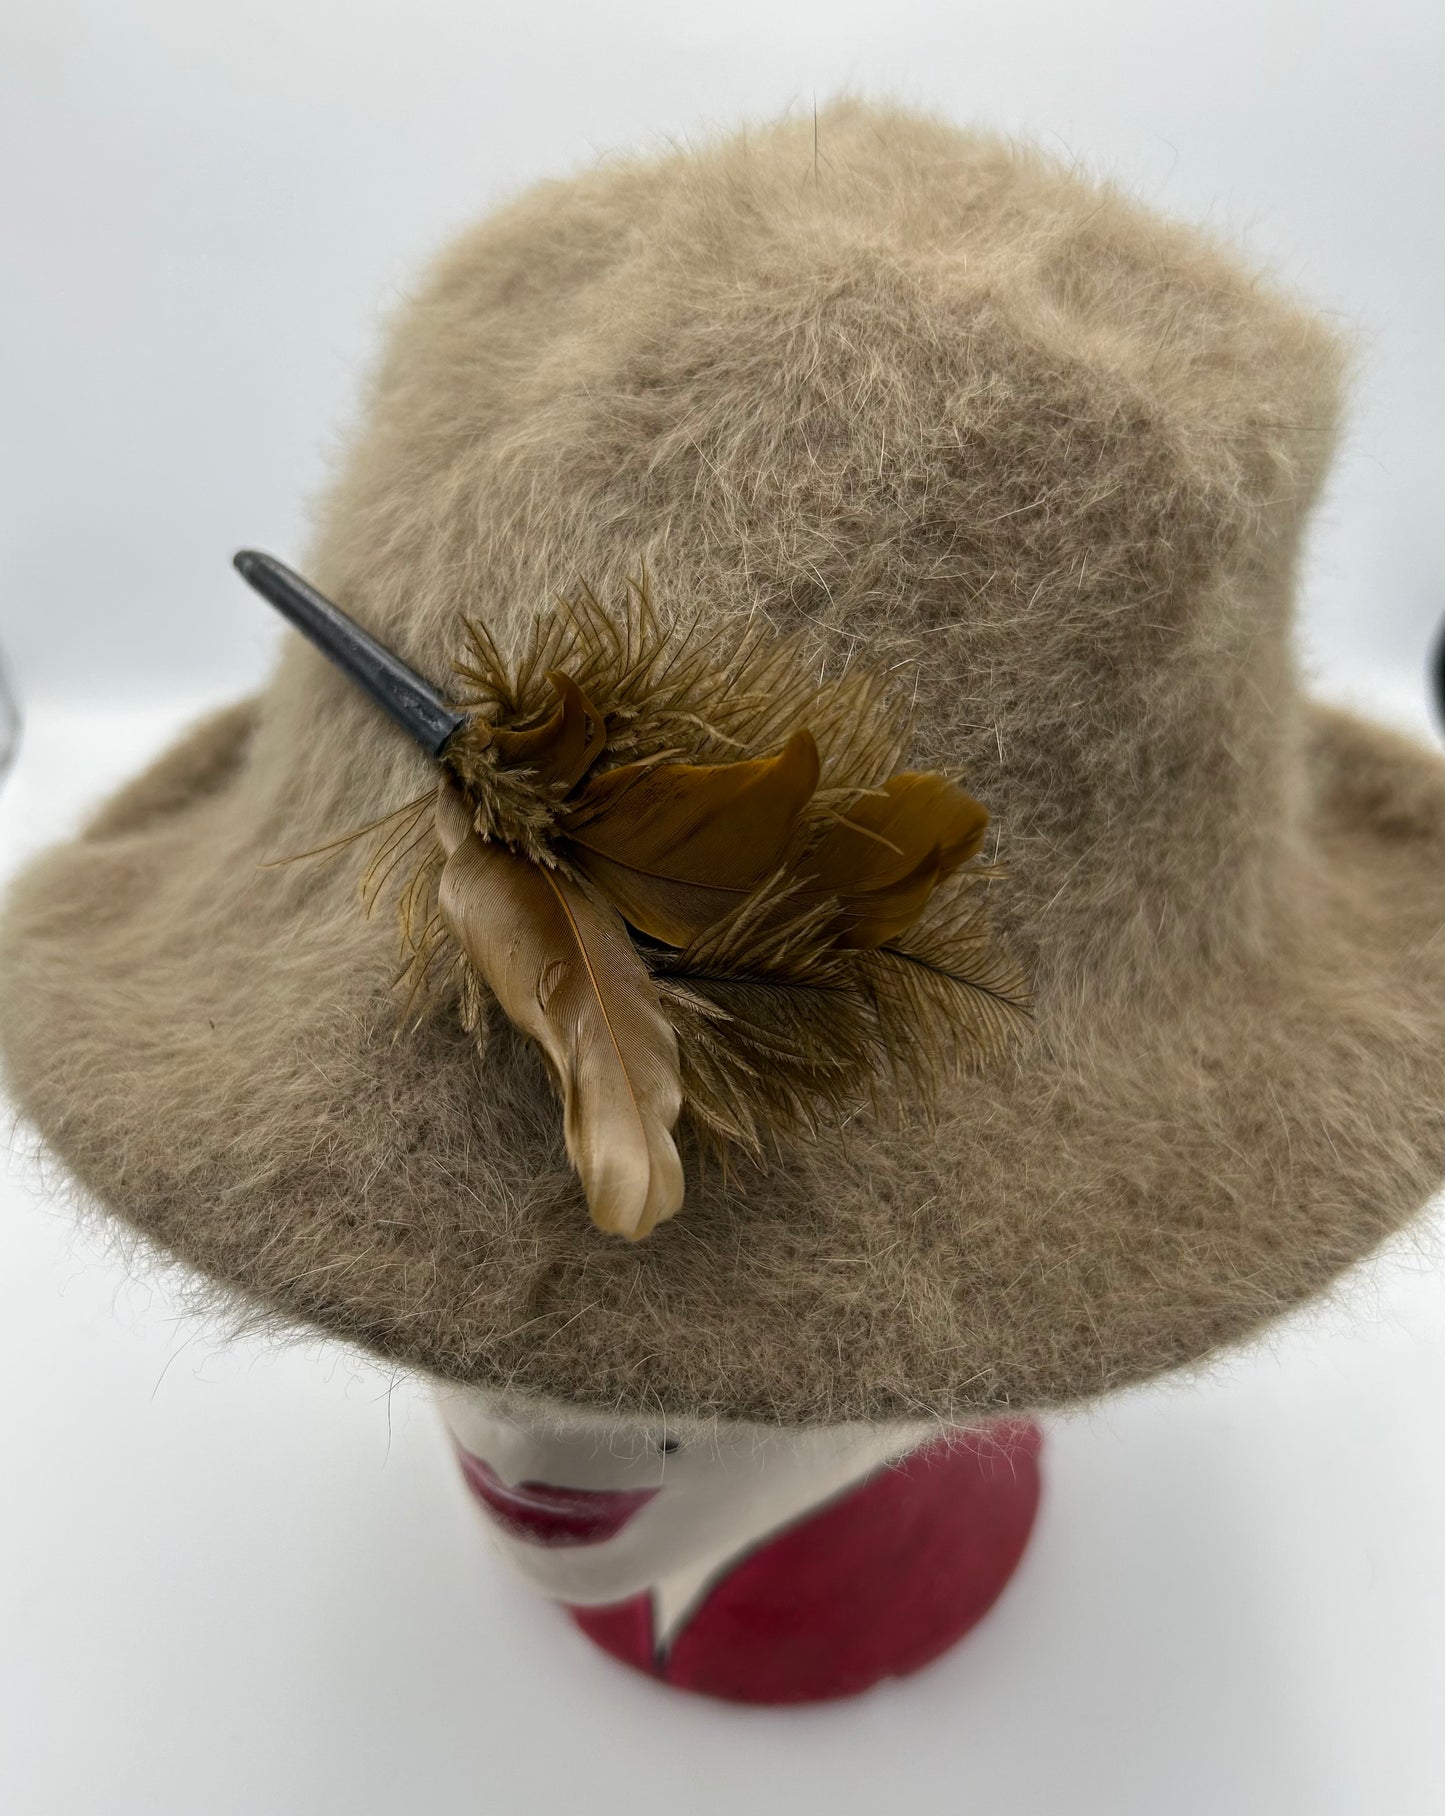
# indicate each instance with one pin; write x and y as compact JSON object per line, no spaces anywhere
{"x":938,"y":398}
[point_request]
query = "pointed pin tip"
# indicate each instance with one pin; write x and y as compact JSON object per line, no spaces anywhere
{"x":408,"y":697}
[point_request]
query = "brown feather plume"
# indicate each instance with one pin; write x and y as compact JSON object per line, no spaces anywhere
{"x":692,"y":871}
{"x":676,"y":846}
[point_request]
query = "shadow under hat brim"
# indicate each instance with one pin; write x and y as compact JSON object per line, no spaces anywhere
{"x":1193,"y":1165}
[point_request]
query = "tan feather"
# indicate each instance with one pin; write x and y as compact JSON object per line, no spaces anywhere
{"x":564,"y":970}
{"x":884,"y":857}
{"x":675,"y":846}
{"x":565,"y":746}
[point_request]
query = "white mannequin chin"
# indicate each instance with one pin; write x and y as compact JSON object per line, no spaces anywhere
{"x":715,"y":1490}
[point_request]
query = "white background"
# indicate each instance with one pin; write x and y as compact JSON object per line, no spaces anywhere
{"x":237,"y":1580}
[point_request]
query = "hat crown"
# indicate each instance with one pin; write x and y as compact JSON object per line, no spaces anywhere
{"x":947,"y":407}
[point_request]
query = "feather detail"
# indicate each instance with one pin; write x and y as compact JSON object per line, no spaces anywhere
{"x":675,"y":846}
{"x":946,"y":992}
{"x":562,"y":967}
{"x":773,"y":1030}
{"x":884,"y":857}
{"x":686,"y":864}
{"x":565,"y":746}
{"x":683,"y":688}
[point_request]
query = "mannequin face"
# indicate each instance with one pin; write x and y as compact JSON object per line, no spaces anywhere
{"x":592,"y":1509}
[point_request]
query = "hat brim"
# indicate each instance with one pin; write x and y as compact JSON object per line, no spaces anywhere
{"x":1192,"y":1167}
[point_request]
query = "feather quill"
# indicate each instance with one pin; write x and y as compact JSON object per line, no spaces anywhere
{"x":564,"y":970}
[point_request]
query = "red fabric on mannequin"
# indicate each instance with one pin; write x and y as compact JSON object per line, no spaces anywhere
{"x":875,"y":1584}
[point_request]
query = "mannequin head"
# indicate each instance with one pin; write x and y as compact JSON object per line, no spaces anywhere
{"x":592,"y":1509}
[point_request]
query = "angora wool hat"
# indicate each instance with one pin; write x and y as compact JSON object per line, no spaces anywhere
{"x":930,"y":403}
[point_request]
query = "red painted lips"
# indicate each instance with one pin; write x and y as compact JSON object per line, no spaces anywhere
{"x":544,"y":1515}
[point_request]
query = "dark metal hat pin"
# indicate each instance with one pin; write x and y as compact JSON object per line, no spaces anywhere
{"x":399,"y":691}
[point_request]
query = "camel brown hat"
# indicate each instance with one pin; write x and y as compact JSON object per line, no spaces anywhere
{"x":938,"y":404}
